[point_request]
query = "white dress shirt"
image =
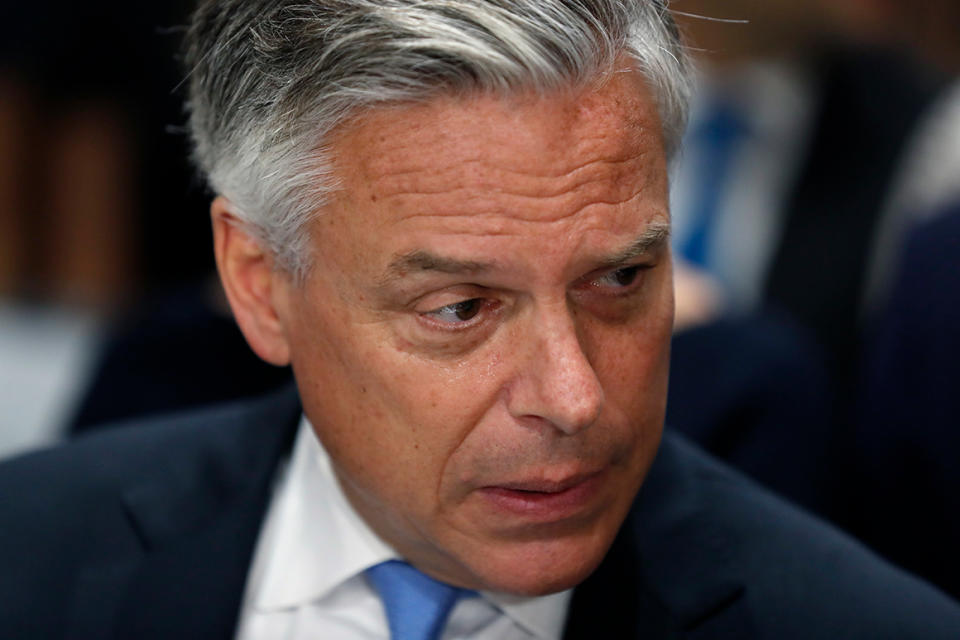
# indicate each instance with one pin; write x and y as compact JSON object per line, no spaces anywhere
{"x":307,"y":577}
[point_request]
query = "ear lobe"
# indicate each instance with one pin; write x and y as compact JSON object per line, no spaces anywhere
{"x":247,"y":272}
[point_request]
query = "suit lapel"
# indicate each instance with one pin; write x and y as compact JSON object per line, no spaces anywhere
{"x":616,"y":602}
{"x":669,"y":574}
{"x":191,"y":582}
{"x":198,"y":524}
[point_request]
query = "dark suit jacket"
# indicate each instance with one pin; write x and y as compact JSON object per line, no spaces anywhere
{"x":903,"y":500}
{"x":147,"y":532}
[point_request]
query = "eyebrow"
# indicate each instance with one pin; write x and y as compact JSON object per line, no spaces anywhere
{"x":422,"y":261}
{"x":654,"y":236}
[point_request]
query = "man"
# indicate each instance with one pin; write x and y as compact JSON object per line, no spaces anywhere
{"x":451,"y":218}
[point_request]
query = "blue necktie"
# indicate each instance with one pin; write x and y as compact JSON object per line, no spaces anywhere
{"x":717,"y":138}
{"x":417,"y":606}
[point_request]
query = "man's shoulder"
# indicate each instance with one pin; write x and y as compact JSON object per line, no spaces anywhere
{"x":701,"y":523}
{"x":97,"y":505}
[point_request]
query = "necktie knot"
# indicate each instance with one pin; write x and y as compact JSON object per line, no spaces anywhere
{"x":417,"y":606}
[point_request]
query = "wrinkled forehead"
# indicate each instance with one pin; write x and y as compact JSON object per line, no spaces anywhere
{"x":546,"y":135}
{"x":531,"y":181}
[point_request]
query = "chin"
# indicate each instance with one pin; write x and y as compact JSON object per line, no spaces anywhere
{"x":538,"y":568}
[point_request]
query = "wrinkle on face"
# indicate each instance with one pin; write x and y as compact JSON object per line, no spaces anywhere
{"x":519,"y":201}
{"x":520,"y":182}
{"x":502,"y":211}
{"x":553,"y":177}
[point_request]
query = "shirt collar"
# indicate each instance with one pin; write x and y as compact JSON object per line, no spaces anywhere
{"x":544,"y":617}
{"x":311,"y":523}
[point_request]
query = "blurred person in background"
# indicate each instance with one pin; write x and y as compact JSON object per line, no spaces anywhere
{"x":905,"y":481}
{"x":800,"y":145}
{"x":810,"y":144}
{"x":94,"y":191}
{"x":903,"y":486}
{"x":823,"y":137}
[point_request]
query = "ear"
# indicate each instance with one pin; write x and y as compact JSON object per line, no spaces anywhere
{"x":251,"y":283}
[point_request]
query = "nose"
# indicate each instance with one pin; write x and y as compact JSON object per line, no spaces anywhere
{"x":556,"y":382}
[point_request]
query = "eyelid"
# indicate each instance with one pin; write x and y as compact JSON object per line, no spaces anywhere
{"x":487,"y":307}
{"x":435,"y":312}
{"x":438,"y":298}
{"x":641,"y":265}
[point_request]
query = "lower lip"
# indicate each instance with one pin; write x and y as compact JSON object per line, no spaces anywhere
{"x":542,"y":505}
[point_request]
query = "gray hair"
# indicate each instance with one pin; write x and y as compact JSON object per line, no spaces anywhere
{"x":271,"y":79}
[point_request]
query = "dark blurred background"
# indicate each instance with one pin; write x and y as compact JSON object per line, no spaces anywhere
{"x":99,"y":208}
{"x":817,"y":235}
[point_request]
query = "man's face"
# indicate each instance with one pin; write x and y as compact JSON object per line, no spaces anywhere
{"x":482,"y":344}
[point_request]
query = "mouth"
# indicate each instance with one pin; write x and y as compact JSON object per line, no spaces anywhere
{"x":546,"y":500}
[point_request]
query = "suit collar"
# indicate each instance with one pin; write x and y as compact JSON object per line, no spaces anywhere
{"x":670,"y":572}
{"x":197,"y":518}
{"x":237,"y":452}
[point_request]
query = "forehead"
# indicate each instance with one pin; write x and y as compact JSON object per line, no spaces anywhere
{"x":485,"y":143}
{"x":586,"y":118}
{"x":466,"y":169}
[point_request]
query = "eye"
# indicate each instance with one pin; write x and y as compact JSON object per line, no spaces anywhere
{"x":620,"y":278}
{"x":458,"y":312}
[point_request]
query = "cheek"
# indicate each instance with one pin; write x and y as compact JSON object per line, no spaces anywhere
{"x":634,"y":358}
{"x":632,"y":363}
{"x":398,"y":414}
